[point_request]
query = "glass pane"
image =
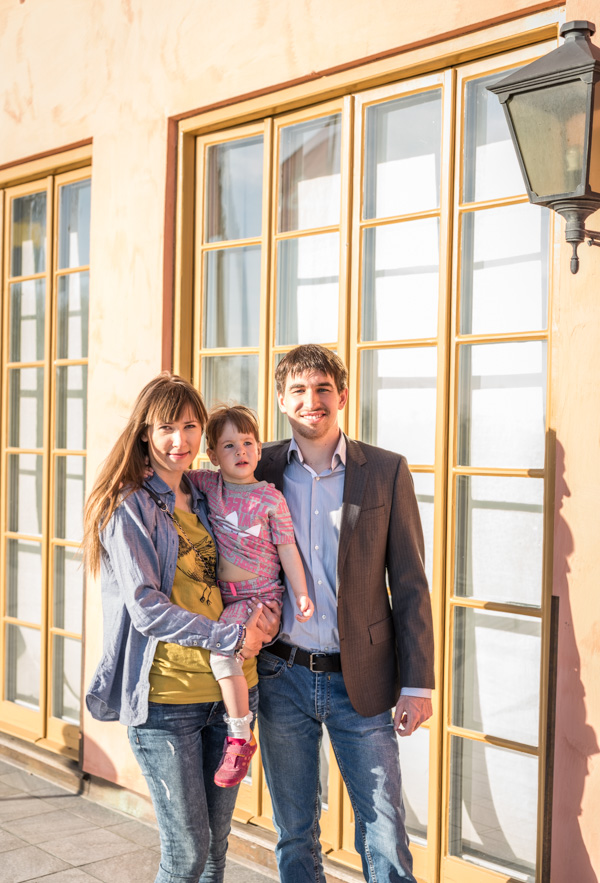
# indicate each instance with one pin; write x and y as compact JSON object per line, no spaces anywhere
{"x":234,"y":190}
{"x":28,"y":235}
{"x":25,"y":474}
{"x":230,"y":379}
{"x":414,"y":764}
{"x":74,"y":225}
{"x":502,"y":405}
{"x":402,"y":155}
{"x":400,"y":281}
{"x":24,"y":580}
{"x":309,"y":174}
{"x":232,"y":297}
{"x":26,"y":407}
{"x":72,"y":316}
{"x":308,"y":290}
{"x":22,"y":678}
{"x":493,"y":807}
{"x":27,"y":321}
{"x":66,"y":679}
{"x":397,"y":401}
{"x":497,"y":674}
{"x":491,"y":168}
{"x":424,"y":485}
{"x":68,"y":589}
{"x":69,"y":494}
{"x":499,"y":539}
{"x":71,"y":407}
{"x":504,"y":270}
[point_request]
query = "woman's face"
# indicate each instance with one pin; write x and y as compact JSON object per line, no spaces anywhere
{"x":172,"y":447}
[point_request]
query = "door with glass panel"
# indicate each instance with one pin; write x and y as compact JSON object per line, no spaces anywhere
{"x":496,"y":613}
{"x":392,"y":226}
{"x":44,"y":382}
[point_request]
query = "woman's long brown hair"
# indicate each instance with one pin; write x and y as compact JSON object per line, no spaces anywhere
{"x":163,"y":400}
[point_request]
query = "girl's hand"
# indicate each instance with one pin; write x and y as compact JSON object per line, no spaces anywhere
{"x":306,"y":606}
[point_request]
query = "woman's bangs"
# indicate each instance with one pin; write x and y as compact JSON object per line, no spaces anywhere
{"x":171,"y":405}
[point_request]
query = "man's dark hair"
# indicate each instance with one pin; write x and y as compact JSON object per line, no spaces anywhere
{"x":311,"y":357}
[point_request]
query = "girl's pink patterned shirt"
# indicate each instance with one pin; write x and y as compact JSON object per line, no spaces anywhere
{"x":249,"y":521}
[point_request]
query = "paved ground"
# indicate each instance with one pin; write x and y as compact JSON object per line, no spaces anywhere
{"x":48,"y":835}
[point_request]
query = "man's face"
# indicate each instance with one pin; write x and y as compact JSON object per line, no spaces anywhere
{"x":311,"y":401}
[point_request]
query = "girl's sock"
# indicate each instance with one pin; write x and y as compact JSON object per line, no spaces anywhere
{"x":238,"y":728}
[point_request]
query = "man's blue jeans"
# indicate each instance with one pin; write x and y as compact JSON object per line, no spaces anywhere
{"x":294,"y":705}
{"x":178,"y":750}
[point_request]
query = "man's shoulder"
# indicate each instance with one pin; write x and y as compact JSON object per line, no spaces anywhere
{"x":274,"y":446}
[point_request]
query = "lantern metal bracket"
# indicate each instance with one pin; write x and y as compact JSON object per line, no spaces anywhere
{"x":593,"y":238}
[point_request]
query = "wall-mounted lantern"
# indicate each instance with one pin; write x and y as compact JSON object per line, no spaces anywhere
{"x":552,"y":107}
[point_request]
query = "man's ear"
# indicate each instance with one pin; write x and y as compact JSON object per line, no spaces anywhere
{"x":343,"y":399}
{"x":280,"y":403}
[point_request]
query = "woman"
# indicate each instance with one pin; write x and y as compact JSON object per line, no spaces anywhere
{"x":152,"y":544}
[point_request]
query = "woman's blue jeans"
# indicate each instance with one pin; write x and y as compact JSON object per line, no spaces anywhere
{"x":178,"y":750}
{"x":294,"y":705}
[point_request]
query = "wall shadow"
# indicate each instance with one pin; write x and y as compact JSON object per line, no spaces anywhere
{"x":574,"y":739}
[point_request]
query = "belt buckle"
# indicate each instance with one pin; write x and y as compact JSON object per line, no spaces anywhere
{"x":315,"y":656}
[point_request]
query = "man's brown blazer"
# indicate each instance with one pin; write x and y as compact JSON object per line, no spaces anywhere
{"x":385,"y":643}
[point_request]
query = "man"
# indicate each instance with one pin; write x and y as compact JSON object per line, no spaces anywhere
{"x":356,"y":520}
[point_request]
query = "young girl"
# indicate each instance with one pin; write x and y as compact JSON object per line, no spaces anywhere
{"x":255,"y":537}
{"x":161,"y":605}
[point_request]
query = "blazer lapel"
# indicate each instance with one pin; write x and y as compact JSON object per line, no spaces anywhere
{"x":357,"y":473}
{"x":273,"y":463}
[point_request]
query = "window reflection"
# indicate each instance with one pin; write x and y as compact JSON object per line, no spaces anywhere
{"x":28,"y":235}
{"x":493,"y":823}
{"x":74,"y":225}
{"x":232,"y":297}
{"x":502,"y":405}
{"x":491,"y":168}
{"x":398,"y":398}
{"x":308,"y":290}
{"x":403,"y":155}
{"x":496,"y":674}
{"x":309,"y":174}
{"x":499,"y":539}
{"x":504,"y":270}
{"x":234,"y":190}
{"x":400,"y":281}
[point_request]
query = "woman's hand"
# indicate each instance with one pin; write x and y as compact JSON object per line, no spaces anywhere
{"x":255,"y":637}
{"x":270,"y":617}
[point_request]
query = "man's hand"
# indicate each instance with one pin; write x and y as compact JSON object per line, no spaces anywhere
{"x":411,"y":712}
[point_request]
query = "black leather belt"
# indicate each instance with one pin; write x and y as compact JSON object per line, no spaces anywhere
{"x":314,"y":661}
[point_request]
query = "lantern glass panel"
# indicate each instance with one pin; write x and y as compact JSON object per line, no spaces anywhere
{"x":594,"y":176}
{"x":550,"y":126}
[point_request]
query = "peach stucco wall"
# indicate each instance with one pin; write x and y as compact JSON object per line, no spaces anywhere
{"x":114,"y":71}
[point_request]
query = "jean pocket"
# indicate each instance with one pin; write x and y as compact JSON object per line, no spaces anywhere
{"x":269,"y":666}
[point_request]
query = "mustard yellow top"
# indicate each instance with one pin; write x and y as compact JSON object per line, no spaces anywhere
{"x":181,"y":675}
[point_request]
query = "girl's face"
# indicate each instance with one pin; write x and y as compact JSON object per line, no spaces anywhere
{"x":237,"y":454}
{"x":172,"y":447}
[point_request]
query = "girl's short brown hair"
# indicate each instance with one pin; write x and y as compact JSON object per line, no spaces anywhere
{"x":244,"y":419}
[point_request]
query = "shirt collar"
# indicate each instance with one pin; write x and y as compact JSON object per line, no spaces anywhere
{"x":339,"y":455}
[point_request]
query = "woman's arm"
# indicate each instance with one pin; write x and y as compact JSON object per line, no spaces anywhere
{"x":132,"y":559}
